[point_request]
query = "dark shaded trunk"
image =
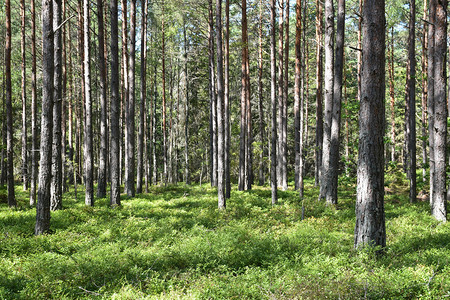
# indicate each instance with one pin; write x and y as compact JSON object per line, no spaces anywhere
{"x":56,"y":184}
{"x":227,"y":100}
{"x":370,"y":219}
{"x":114,"y":163}
{"x":9,"y":117}
{"x":319,"y":91}
{"x":24,"y":98}
{"x":45,"y":171}
{"x":273,"y":100}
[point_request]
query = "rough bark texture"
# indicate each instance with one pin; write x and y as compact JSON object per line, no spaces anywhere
{"x":227,"y":100}
{"x":319,"y":90}
{"x":164,"y":179}
{"x":9,"y":118}
{"x":298,"y":101}
{"x":325,"y":176}
{"x":103,"y":157}
{"x":130,"y":107}
{"x":284,"y":140}
{"x":56,"y":184}
{"x":280,"y":127}
{"x":424,"y":91}
{"x":370,"y":219}
{"x":438,"y":205}
{"x":262,"y":133}
{"x":220,"y":108}
{"x":43,"y":203}
{"x":142,"y":110}
{"x":24,"y":98}
{"x":115,"y":107}
{"x":430,"y":95}
{"x":187,"y":175}
{"x":88,"y":139}
{"x":273,"y":100}
{"x":412,"y":102}
{"x":34,"y":127}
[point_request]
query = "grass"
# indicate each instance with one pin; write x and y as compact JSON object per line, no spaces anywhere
{"x":173,"y":244}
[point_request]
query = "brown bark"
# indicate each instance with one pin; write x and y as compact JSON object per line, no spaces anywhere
{"x":24,"y":98}
{"x":280,"y":147}
{"x":262,"y":134}
{"x":273,"y":100}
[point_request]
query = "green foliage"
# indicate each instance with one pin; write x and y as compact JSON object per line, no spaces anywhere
{"x":174,"y":243}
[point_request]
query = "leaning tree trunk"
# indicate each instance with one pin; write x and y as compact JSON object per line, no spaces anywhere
{"x":273,"y":100}
{"x":370,"y":219}
{"x":88,"y":141}
{"x":438,"y":206}
{"x":115,"y":107}
{"x":45,"y":170}
{"x":56,"y":184}
{"x":103,"y":157}
{"x":9,"y":118}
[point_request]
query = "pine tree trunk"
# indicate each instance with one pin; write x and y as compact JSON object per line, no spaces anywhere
{"x":212,"y":97}
{"x":273,"y":100}
{"x":24,"y":99}
{"x":412,"y":102}
{"x":56,"y":182}
{"x":45,"y":170}
{"x":9,"y":117}
{"x":140,"y":154}
{"x":34,"y":127}
{"x":164,"y":180}
{"x":430,"y":98}
{"x":227,"y":100}
{"x":187,"y":175}
{"x":124,"y":74}
{"x":102,"y":173}
{"x":424,"y":92}
{"x":115,"y":107}
{"x":280,"y":163}
{"x":285,"y":101}
{"x":438,"y":206}
{"x":298,"y":100}
{"x":370,"y":219}
{"x":262,"y":134}
{"x":88,"y":140}
{"x":325,"y":174}
{"x":392,"y":93}
{"x":243,"y":122}
{"x":319,"y":92}
{"x":248,"y":107}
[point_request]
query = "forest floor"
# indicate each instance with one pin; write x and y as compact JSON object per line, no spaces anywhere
{"x":173,"y":243}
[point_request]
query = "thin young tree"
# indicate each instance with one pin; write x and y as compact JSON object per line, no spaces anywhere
{"x":273,"y":100}
{"x":24,"y":97}
{"x":213,"y":99}
{"x":262,"y":133}
{"x":143,"y":99}
{"x":284,"y":117}
{"x":370,"y":218}
{"x":56,"y":182}
{"x":9,"y":118}
{"x":220,"y":111}
{"x":163,"y":81}
{"x":424,"y":64}
{"x":88,"y":139}
{"x":187,"y":175}
{"x":45,"y":171}
{"x":115,"y":107}
{"x":103,"y":155}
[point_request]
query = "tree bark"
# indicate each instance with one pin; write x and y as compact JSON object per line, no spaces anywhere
{"x":212,"y":98}
{"x":392,"y":93}
{"x":164,"y":100}
{"x":438,"y":206}
{"x":370,"y":219}
{"x":424,"y":91}
{"x":56,"y":181}
{"x":102,"y":173}
{"x":187,"y":174}
{"x":273,"y":100}
{"x":9,"y":118}
{"x":285,"y":101}
{"x":298,"y":101}
{"x":280,"y":153}
{"x":319,"y":92}
{"x":115,"y":107}
{"x":262,"y":133}
{"x":227,"y":100}
{"x":412,"y":102}
{"x":140,"y":156}
{"x":24,"y":98}
{"x":34,"y":127}
{"x":88,"y":140}
{"x":43,"y":204}
{"x":220,"y":111}
{"x":430,"y":95}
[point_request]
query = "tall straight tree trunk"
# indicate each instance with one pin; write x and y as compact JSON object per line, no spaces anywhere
{"x":412,"y":102}
{"x":438,"y":206}
{"x":332,"y":196}
{"x":220,"y":111}
{"x":124,"y":73}
{"x":115,"y":107}
{"x":430,"y":98}
{"x":392,"y":93}
{"x":45,"y":171}
{"x":213,"y":100}
{"x":325,"y":176}
{"x":81,"y":98}
{"x":9,"y":118}
{"x":88,"y":140}
{"x":164,"y":100}
{"x":187,"y":175}
{"x":280,"y":152}
{"x":140,"y":153}
{"x":102,"y":173}
{"x":64,"y":100}
{"x":243,"y":123}
{"x":424,"y":91}
{"x":273,"y":100}
{"x":248,"y":106}
{"x":370,"y":219}
{"x":56,"y":183}
{"x":298,"y":100}
{"x":262,"y":133}
{"x":130,"y":107}
{"x":319,"y":92}
{"x":34,"y":128}
{"x":227,"y":100}
{"x":285,"y":101}
{"x":359,"y":54}
{"x":24,"y":98}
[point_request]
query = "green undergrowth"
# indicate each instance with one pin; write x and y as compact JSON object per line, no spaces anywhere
{"x":173,"y":243}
